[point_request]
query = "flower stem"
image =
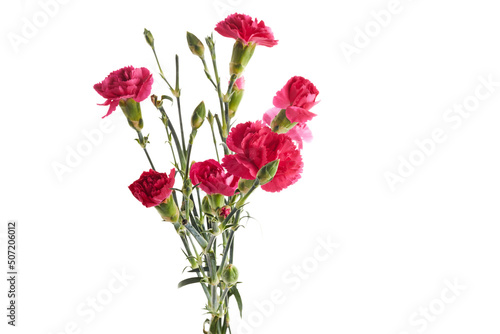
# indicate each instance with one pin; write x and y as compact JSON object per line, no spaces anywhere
{"x":215,"y":142}
{"x":226,"y":250}
{"x":143,"y":144}
{"x":207,"y":73}
{"x":169,"y":125}
{"x":226,"y":104}
{"x":177,"y":94}
{"x":211,"y":47}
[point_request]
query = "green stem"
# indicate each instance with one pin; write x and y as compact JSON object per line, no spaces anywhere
{"x":226,"y":104}
{"x":211,"y":47}
{"x":171,"y":146}
{"x":226,"y":150}
{"x":215,"y":142}
{"x":207,"y":73}
{"x":143,"y":144}
{"x":177,"y":94}
{"x":161,"y":72}
{"x":226,"y":250}
{"x":242,"y":200}
{"x":188,"y":250}
{"x":182,"y":157}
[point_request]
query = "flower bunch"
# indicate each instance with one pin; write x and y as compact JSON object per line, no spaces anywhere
{"x":206,"y":200}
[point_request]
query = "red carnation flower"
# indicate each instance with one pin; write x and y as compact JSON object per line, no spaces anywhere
{"x":152,"y":188}
{"x":212,"y":178}
{"x":297,"y":97}
{"x":241,"y":26}
{"x":255,"y":145}
{"x":125,"y":83}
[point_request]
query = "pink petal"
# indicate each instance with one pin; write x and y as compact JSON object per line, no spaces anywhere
{"x":299,"y":115}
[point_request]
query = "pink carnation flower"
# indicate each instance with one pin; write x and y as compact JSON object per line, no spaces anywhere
{"x":255,"y":145}
{"x":297,"y":97}
{"x":241,"y":26}
{"x":212,"y":178}
{"x":125,"y":83}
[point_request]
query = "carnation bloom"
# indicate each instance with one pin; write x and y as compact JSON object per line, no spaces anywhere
{"x":297,"y":97}
{"x":212,"y":178}
{"x":241,"y":26}
{"x":298,"y":133}
{"x":152,"y":188}
{"x":255,"y":145}
{"x":125,"y":83}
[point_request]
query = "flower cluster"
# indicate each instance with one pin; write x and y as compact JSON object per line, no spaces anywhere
{"x":263,"y":154}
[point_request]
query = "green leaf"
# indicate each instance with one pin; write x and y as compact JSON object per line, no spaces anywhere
{"x":213,"y":325}
{"x":166,"y":97}
{"x":234,"y":292}
{"x":189,"y":281}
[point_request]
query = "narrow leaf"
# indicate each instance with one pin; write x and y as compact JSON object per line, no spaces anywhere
{"x":189,"y":281}
{"x":234,"y":291}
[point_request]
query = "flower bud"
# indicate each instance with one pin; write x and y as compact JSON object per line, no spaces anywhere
{"x":149,"y":38}
{"x":198,"y":116}
{"x":210,"y":118}
{"x":241,"y":56}
{"x":238,"y":90}
{"x":132,"y":111}
{"x":267,"y":172}
{"x":224,"y":211}
{"x":205,"y":206}
{"x":168,"y":210}
{"x":245,"y":185}
{"x":281,"y":124}
{"x":230,"y":275}
{"x":195,"y":45}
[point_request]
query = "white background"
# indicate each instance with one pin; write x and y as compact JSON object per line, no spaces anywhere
{"x":397,"y":248}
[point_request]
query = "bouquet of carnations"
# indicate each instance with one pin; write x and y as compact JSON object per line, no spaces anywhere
{"x":209,"y":202}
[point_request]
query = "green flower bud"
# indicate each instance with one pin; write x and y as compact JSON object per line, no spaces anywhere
{"x":230,"y":275}
{"x":205,"y":206}
{"x":168,"y":210}
{"x":235,"y":99}
{"x":198,"y":116}
{"x":241,"y":56}
{"x":149,"y":38}
{"x":245,"y":185}
{"x":210,"y":118}
{"x":281,"y":124}
{"x":267,"y":172}
{"x":195,"y":45}
{"x":132,"y":111}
